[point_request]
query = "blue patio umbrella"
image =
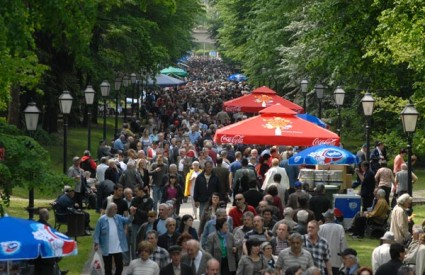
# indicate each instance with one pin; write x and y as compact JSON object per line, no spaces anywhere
{"x":313,"y":119}
{"x":237,"y":78}
{"x":22,"y":239}
{"x":323,"y":154}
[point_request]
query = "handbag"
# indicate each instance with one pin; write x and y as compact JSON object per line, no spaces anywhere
{"x":96,"y":266}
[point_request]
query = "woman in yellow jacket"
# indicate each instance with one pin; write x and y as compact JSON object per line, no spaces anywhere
{"x":190,"y":184}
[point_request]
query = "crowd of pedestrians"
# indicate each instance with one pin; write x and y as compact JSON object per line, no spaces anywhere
{"x":276,"y":225}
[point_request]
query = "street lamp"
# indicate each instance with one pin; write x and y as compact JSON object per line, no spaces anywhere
{"x":133,"y":78}
{"x":409,"y":117}
{"x":143,"y":74}
{"x":339,"y":95}
{"x":319,"y":88}
{"x":304,"y":88}
{"x":105,"y":88}
{"x":125,"y":82}
{"x":65,"y":104}
{"x":117,"y":87}
{"x":31,"y":113}
{"x":368,"y":104}
{"x":89,"y":95}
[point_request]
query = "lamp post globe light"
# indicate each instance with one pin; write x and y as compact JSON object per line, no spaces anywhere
{"x":304,"y":89}
{"x":89,"y":95}
{"x":105,"y":88}
{"x":125,"y":82}
{"x":339,"y":95}
{"x":319,"y":89}
{"x":65,"y":104}
{"x":409,"y":117}
{"x":368,"y":103}
{"x":32,"y":114}
{"x":133,"y":78}
{"x":117,"y":87}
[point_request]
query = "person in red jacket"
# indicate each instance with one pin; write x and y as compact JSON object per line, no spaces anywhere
{"x":236,"y":212}
{"x":88,"y":164}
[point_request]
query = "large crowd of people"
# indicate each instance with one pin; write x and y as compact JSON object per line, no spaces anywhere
{"x":255,"y":216}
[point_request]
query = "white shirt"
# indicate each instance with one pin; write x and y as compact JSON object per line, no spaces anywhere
{"x":335,"y":235}
{"x":198,"y":259}
{"x":140,"y":267}
{"x":100,"y":172}
{"x":114,"y":241}
{"x":380,"y":256}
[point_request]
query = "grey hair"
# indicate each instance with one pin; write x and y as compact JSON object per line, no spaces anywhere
{"x":295,"y":235}
{"x":302,"y":216}
{"x":381,"y":193}
{"x":287,"y":211}
{"x":403,"y":199}
{"x":109,"y":207}
{"x":152,"y":232}
{"x":168,"y":220}
{"x":172,"y":165}
{"x":220,"y":211}
{"x":311,"y":270}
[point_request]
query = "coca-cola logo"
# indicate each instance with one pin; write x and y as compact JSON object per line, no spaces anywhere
{"x":238,"y":139}
{"x":233,"y":109}
{"x":329,"y":141}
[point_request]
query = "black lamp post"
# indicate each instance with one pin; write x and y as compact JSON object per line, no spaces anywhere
{"x":133,"y":78}
{"x":89,"y":95}
{"x":117,"y":87}
{"x":304,"y":89}
{"x":368,"y":104}
{"x":105,"y":88}
{"x":339,"y":95}
{"x":125,"y":82}
{"x":409,"y":117}
{"x":319,"y":88}
{"x":31,"y":113}
{"x":65,"y":104}
{"x":140,"y":93}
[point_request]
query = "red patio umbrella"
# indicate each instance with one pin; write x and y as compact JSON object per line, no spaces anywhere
{"x":259,"y":99}
{"x":276,"y":125}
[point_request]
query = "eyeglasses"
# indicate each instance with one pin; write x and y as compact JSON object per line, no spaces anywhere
{"x":239,"y":199}
{"x":171,"y":224}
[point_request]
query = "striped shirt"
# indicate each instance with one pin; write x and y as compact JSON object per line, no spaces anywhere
{"x":140,"y":267}
{"x":287,"y":259}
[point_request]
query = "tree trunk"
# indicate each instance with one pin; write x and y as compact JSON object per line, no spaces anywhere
{"x":14,"y":109}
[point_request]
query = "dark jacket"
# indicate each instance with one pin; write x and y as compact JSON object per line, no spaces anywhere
{"x":201,"y":192}
{"x":165,"y":241}
{"x":184,"y":269}
{"x":129,"y":178}
{"x":144,"y":205}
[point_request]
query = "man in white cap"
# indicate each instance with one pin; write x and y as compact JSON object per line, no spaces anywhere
{"x":381,"y":254}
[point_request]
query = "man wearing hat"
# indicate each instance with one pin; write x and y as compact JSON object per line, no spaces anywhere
{"x":349,"y":259}
{"x":176,"y":267}
{"x":335,"y":235}
{"x":381,"y":254}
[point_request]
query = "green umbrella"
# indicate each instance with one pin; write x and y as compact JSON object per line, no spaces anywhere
{"x":174,"y":71}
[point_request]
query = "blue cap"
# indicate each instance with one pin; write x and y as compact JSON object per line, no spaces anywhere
{"x":298,"y":184}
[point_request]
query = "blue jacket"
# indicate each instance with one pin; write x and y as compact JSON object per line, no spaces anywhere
{"x":101,"y":233}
